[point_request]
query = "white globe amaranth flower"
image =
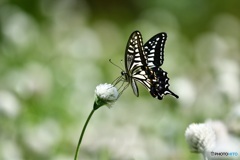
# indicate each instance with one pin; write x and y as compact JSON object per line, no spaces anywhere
{"x":201,"y":137}
{"x":106,"y":94}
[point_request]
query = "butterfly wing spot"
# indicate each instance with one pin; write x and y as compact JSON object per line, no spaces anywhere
{"x":138,"y":59}
{"x":151,"y":55}
{"x":129,"y":58}
{"x":151,"y":59}
{"x":131,"y":51}
{"x":130,"y":46}
{"x":152,"y":51}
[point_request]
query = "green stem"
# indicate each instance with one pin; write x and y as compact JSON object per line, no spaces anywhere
{"x":205,"y":156}
{"x":82,"y":133}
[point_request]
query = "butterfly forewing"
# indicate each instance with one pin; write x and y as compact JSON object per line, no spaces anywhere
{"x":134,"y":60}
{"x":154,"y":48}
{"x":134,"y":54}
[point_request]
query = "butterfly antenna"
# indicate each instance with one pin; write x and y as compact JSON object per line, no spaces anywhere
{"x":115,"y":64}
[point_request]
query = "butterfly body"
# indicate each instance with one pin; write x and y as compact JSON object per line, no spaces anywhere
{"x":143,"y":62}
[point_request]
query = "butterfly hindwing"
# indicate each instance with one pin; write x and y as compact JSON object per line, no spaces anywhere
{"x":160,"y":84}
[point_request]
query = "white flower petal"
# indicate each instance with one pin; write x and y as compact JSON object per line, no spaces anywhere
{"x":106,"y":94}
{"x":200,"y":137}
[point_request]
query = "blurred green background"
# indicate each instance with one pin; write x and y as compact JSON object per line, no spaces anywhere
{"x":54,"y":53}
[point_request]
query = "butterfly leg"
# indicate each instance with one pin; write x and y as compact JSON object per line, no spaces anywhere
{"x":117,"y":80}
{"x":121,"y":88}
{"x":120,"y":93}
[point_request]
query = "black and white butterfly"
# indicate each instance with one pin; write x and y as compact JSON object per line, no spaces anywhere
{"x":142,"y":64}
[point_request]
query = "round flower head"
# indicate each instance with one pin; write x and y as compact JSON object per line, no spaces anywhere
{"x":106,"y":94}
{"x":200,"y":137}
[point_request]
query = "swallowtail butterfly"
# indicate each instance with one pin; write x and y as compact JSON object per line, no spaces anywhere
{"x":142,"y":64}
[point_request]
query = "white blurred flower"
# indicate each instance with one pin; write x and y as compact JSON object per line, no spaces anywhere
{"x":18,"y":27}
{"x":10,"y":150}
{"x":201,"y":137}
{"x":33,"y":79}
{"x":41,"y":138}
{"x":9,"y":104}
{"x":226,"y":141}
{"x":106,"y":94}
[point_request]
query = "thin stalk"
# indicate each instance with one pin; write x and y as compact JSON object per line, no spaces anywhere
{"x":205,"y":156}
{"x":82,"y":133}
